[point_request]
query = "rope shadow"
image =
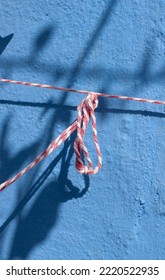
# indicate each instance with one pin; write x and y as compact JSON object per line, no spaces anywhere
{"x":67,"y":108}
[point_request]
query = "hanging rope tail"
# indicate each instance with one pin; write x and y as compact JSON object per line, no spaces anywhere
{"x":85,"y":113}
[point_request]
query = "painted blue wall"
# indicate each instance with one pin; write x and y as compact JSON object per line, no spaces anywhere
{"x":53,"y":212}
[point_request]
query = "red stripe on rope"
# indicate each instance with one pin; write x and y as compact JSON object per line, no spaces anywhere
{"x":83,"y":91}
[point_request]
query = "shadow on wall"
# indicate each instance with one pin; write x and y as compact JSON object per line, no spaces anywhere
{"x":36,"y":224}
{"x":40,"y":43}
{"x":4,"y":41}
{"x":33,"y":227}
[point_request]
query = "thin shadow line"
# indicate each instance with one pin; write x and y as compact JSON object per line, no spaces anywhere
{"x":37,"y":104}
{"x":132,"y":112}
{"x":74,"y":108}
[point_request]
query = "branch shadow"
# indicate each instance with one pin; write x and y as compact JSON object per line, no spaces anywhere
{"x":40,"y":43}
{"x":92,"y":40}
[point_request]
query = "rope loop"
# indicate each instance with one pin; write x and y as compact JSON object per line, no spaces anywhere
{"x":85,"y":113}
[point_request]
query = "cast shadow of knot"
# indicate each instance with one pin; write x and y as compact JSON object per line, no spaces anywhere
{"x":34,"y":226}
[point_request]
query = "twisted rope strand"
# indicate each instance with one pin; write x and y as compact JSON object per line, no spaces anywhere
{"x":85,"y":112}
{"x":152,"y":101}
{"x":53,"y":146}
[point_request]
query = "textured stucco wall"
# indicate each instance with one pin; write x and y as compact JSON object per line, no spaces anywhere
{"x":53,"y":212}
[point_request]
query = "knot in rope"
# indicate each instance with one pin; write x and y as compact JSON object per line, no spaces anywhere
{"x":85,"y":113}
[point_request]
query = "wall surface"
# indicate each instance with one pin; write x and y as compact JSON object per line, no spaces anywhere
{"x":115,"y":46}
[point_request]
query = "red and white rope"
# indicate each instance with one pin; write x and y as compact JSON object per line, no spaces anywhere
{"x":85,"y":112}
{"x":83,"y":91}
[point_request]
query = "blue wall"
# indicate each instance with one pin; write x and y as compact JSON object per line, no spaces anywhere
{"x":53,"y":212}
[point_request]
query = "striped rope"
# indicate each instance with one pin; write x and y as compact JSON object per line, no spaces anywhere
{"x":83,"y":91}
{"x":85,"y":112}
